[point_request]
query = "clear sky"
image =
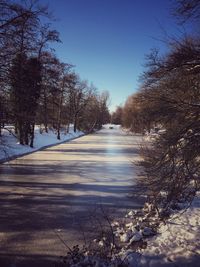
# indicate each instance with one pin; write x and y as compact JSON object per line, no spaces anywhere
{"x":107,"y":40}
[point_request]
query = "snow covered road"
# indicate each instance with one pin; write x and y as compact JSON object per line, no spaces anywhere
{"x":53,"y":193}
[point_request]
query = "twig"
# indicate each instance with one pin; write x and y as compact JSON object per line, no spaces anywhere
{"x":60,"y":238}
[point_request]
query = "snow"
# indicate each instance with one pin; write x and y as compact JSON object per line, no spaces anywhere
{"x":10,"y":147}
{"x":177,"y":243}
{"x":125,"y":237}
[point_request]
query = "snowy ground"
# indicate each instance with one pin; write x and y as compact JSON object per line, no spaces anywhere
{"x":10,"y":147}
{"x":177,"y":243}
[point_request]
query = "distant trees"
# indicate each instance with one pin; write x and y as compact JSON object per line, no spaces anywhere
{"x":116,"y":117}
{"x":35,"y":86}
{"x":96,"y":112}
{"x":104,"y":115}
{"x":79,"y":96}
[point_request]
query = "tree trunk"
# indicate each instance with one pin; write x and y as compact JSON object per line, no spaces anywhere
{"x":58,"y":133}
{"x":16,"y":128}
{"x":45,"y":112}
{"x":45,"y":127}
{"x":68,"y":127}
{"x":92,"y":128}
{"x":21,"y":135}
{"x":32,"y":134}
{"x":1,"y":116}
{"x":26,"y":133}
{"x":75,"y":123}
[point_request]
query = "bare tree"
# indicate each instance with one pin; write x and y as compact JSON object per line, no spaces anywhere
{"x":173,"y":90}
{"x":79,"y":94}
{"x":187,"y":9}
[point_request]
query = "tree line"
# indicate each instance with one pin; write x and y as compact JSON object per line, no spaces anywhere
{"x":169,"y":100}
{"x":35,"y":86}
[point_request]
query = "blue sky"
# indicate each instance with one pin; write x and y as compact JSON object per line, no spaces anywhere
{"x":107,"y":40}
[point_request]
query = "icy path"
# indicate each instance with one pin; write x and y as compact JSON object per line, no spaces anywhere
{"x":55,"y":191}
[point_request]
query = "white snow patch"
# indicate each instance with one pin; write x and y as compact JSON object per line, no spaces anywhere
{"x":10,"y":147}
{"x":125,"y":237}
{"x":178,"y":241}
{"x":176,"y":244}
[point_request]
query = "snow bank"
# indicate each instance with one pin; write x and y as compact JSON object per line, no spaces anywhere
{"x":10,"y":147}
{"x":178,"y":241}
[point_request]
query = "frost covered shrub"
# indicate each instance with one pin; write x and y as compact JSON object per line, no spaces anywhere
{"x":172,"y":89}
{"x":172,"y":167}
{"x":117,"y":243}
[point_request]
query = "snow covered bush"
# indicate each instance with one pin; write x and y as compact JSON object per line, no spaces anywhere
{"x":118,"y":243}
{"x":171,"y":89}
{"x":172,"y":167}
